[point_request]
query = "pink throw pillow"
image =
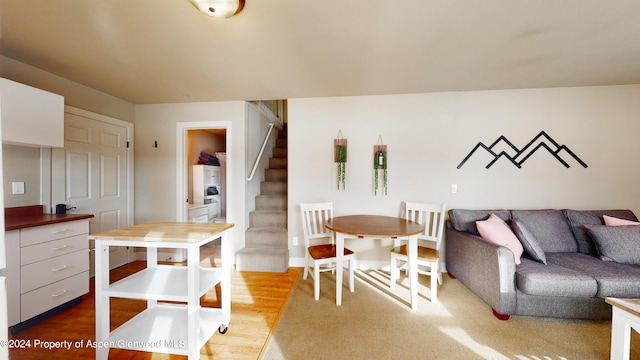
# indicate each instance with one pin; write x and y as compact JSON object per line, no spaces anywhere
{"x":614,"y":221}
{"x":496,"y":231}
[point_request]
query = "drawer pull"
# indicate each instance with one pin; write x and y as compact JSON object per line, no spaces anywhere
{"x":59,"y":269}
{"x":59,"y":293}
{"x":59,"y":231}
{"x":59,"y":248}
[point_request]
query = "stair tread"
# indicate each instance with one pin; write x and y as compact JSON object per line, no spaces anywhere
{"x":261,"y":259}
{"x":266,"y":248}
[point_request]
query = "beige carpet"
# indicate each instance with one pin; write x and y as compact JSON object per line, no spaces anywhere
{"x":374,"y":323}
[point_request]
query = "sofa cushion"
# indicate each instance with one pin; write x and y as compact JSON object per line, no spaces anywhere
{"x":579,"y":218}
{"x":550,"y":227}
{"x":617,"y":243}
{"x":534,"y":278}
{"x":614,"y":279}
{"x":465,"y":220}
{"x":614,"y":221}
{"x":528,"y":241}
{"x":496,"y":231}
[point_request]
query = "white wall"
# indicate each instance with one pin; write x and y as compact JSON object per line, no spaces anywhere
{"x":21,"y":163}
{"x":428,"y":135}
{"x":155,"y":168}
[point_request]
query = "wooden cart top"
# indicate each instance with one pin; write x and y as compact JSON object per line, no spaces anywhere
{"x":164,"y":232}
{"x":631,"y":306}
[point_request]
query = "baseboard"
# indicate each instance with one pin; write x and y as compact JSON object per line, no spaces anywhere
{"x":45,"y":315}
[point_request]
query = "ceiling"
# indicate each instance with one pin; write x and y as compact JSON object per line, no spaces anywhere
{"x":165,"y":51}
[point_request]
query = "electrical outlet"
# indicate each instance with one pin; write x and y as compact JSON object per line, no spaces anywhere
{"x":295,"y":241}
{"x":454,"y":188}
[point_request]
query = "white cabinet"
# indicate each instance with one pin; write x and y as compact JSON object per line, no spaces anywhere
{"x":47,"y":266}
{"x":183,"y":326}
{"x":30,"y":116}
{"x":12,"y":273}
{"x":198,"y":213}
{"x":204,"y":176}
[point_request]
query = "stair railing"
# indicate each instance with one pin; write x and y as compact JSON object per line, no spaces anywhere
{"x":264,"y":145}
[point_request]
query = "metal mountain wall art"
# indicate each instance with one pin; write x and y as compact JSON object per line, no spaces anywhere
{"x":503,"y":148}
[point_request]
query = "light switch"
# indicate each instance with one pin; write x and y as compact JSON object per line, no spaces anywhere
{"x":18,"y":187}
{"x":454,"y":188}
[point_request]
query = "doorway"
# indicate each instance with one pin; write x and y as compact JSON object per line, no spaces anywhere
{"x":185,"y":159}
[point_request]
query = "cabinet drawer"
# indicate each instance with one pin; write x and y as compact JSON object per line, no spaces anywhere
{"x":45,"y":298}
{"x":198,"y":211}
{"x":43,"y":251}
{"x":39,"y":234}
{"x":44,"y":272}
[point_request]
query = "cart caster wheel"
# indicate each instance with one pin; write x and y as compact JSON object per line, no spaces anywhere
{"x":223,"y":329}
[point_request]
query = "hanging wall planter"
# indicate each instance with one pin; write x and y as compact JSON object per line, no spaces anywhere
{"x":340,"y":157}
{"x":379,"y":166}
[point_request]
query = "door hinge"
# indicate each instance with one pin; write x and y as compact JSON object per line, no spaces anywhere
{"x":127,"y":144}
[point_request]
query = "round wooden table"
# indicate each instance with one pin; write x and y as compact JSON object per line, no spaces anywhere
{"x":376,"y":227}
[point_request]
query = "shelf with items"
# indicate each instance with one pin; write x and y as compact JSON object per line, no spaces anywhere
{"x":204,"y":177}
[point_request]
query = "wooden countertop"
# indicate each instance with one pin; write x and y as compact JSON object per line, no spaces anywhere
{"x":23,"y":217}
{"x":183,"y":232}
{"x":632,"y":306}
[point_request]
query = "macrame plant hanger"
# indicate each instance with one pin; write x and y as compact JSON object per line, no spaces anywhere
{"x":379,"y":165}
{"x":340,"y":157}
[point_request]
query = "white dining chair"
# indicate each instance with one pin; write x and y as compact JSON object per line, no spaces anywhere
{"x":320,"y":248}
{"x":429,"y":244}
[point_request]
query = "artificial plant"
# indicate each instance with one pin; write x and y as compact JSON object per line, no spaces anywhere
{"x":379,"y":164}
{"x":340,"y":157}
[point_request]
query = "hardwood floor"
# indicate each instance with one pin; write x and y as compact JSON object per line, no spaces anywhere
{"x":257,"y":300}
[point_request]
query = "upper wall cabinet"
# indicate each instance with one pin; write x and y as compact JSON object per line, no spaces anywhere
{"x":30,"y":116}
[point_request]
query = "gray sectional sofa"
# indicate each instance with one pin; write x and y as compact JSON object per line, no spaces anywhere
{"x":562,"y":275}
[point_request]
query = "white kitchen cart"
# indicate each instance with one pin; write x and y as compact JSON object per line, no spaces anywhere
{"x":182,"y":326}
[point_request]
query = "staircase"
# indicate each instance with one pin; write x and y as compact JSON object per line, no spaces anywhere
{"x":266,"y":241}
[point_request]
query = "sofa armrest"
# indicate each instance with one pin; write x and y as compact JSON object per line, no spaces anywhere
{"x":486,"y":269}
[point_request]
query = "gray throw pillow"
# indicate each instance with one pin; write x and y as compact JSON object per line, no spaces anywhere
{"x":619,"y":244}
{"x":529,"y":242}
{"x":579,"y":218}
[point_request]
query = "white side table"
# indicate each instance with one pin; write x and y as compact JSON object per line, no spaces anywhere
{"x":626,"y":316}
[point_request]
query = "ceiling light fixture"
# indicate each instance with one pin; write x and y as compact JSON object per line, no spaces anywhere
{"x":219,"y":9}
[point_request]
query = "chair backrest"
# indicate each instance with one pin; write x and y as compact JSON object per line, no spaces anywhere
{"x":429,"y":215}
{"x":314,"y":218}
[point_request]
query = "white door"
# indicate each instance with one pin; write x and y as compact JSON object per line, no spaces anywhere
{"x":93,"y":171}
